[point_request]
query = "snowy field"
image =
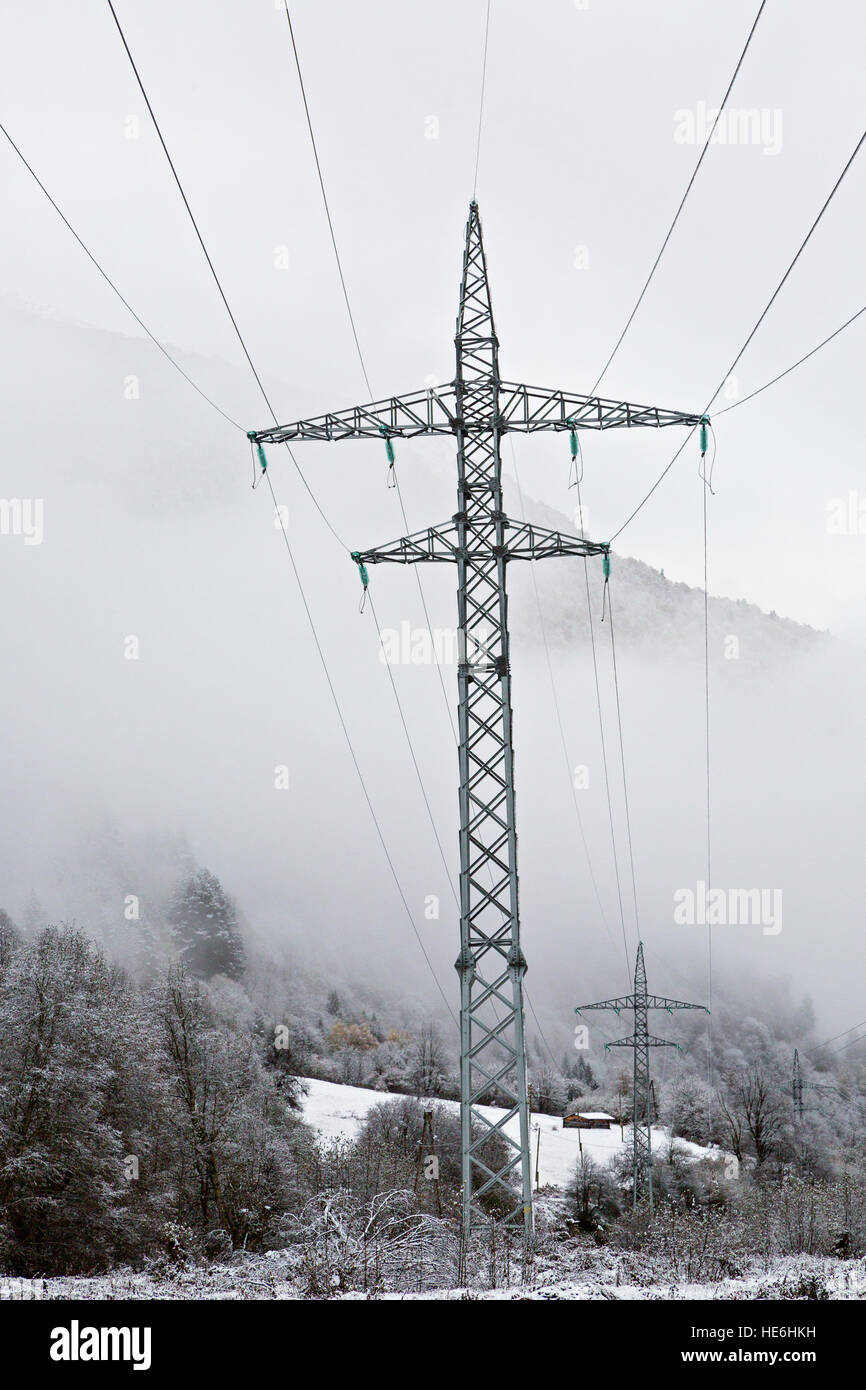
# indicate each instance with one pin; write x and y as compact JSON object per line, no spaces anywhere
{"x":561,"y":1270}
{"x":597,"y":1275}
{"x":337,"y":1111}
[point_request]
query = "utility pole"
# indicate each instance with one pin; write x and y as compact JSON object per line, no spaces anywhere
{"x":641,"y":1040}
{"x":477,"y":408}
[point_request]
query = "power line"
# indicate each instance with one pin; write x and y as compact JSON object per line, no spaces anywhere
{"x":112,"y":286}
{"x":426,"y":799}
{"x":706,"y":488}
{"x":354,"y":757}
{"x":622,"y":762}
{"x":851,"y":1043}
{"x":432,"y":820}
{"x":398,"y":702}
{"x":306,"y":607}
{"x":770,"y":302}
{"x":195,"y":225}
{"x":835,"y":1038}
{"x":397,"y":487}
{"x":426,"y":611}
{"x":415,"y":763}
{"x":804,"y":243}
{"x":366,"y":377}
{"x":212,"y":268}
{"x":228,"y":418}
{"x":682,"y":200}
{"x":325,"y":200}
{"x":558,"y":712}
{"x":481,"y":101}
{"x":794,"y":365}
{"x":607,"y":790}
{"x":355,"y":336}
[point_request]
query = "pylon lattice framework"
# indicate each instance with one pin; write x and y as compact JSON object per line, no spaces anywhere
{"x":641,"y":1040}
{"x":478,"y":408}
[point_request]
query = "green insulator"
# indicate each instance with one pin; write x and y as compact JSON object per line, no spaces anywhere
{"x":263,"y":462}
{"x":575,"y":447}
{"x":362,"y":568}
{"x":389,"y":447}
{"x":605,"y":563}
{"x":704,"y":423}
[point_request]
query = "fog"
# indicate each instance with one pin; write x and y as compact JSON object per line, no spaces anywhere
{"x":153,"y":532}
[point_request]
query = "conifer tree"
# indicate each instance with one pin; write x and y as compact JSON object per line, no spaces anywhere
{"x":204,"y":923}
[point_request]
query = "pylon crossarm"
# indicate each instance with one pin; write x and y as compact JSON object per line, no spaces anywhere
{"x":436,"y":543}
{"x":532,"y":408}
{"x":401,"y":417}
{"x":526,"y":409}
{"x":529,"y":542}
{"x":662,"y":1042}
{"x":658,"y":1001}
{"x":525,"y":541}
{"x":627,"y":1001}
{"x":620,"y":1042}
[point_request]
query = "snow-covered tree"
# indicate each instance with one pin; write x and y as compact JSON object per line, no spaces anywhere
{"x":204,"y":924}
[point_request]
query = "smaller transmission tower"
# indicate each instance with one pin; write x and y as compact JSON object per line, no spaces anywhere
{"x":641,"y":1040}
{"x":797,"y":1086}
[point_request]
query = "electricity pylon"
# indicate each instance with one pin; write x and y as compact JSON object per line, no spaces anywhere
{"x":797,"y":1086}
{"x":478,"y":408}
{"x":641,"y":1040}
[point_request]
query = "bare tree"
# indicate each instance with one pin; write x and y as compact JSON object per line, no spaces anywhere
{"x":750,"y":1106}
{"x":429,"y":1064}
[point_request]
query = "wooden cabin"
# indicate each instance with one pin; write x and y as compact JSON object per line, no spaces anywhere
{"x":587,"y":1119}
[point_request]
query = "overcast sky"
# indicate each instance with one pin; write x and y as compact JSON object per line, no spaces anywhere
{"x":578,"y":150}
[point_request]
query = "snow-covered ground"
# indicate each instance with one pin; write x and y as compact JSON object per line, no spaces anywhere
{"x":596,"y":1276}
{"x":562,"y":1269}
{"x":338,"y":1111}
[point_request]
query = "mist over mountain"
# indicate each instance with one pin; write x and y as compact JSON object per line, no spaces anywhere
{"x":120,"y":769}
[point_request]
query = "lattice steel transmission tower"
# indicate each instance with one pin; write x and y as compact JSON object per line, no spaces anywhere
{"x":477,"y":408}
{"x":797,"y":1086}
{"x":641,"y":1040}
